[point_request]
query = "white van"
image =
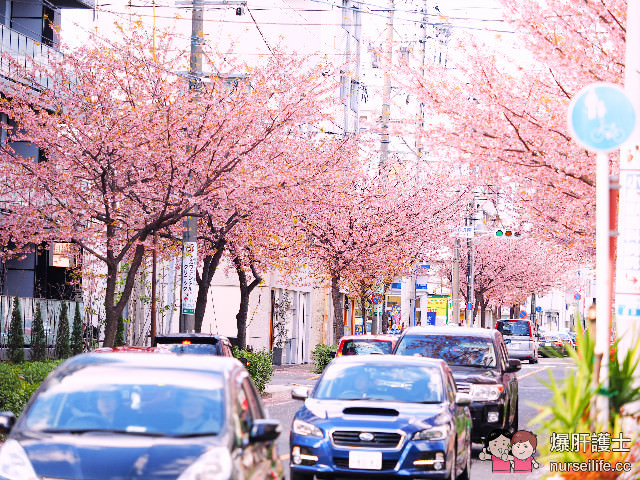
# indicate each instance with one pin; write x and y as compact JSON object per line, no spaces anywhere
{"x":520,"y":338}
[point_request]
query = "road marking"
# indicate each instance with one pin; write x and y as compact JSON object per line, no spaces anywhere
{"x":315,"y":377}
{"x":531,"y":373}
{"x":284,"y":457}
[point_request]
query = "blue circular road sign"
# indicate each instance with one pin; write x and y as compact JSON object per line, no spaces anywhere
{"x":601,"y":117}
{"x":577,"y":296}
{"x":538,"y":309}
{"x":469,"y":306}
{"x":523,"y":314}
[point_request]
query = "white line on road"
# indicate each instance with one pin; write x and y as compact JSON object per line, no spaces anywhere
{"x":531,"y":373}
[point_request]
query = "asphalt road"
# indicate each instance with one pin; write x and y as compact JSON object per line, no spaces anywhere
{"x":532,"y":392}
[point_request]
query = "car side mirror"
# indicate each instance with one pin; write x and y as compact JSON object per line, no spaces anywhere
{"x":300,"y":393}
{"x":463,"y":399}
{"x":514,"y":365}
{"x":7,"y":420}
{"x":264,"y":430}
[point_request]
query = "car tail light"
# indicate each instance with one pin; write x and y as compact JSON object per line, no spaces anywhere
{"x":186,"y":342}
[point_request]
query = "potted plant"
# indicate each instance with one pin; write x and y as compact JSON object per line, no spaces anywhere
{"x":280,"y":332}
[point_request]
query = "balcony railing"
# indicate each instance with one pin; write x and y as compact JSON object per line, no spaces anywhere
{"x":23,"y":50}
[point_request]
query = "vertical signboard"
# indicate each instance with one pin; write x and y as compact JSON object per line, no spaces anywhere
{"x":189,"y":265}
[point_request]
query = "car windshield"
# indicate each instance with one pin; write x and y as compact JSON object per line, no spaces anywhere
{"x":458,"y":350}
{"x":136,"y":401}
{"x":514,"y":327}
{"x":371,"y":381}
{"x":198,"y":349}
{"x":363,"y":347}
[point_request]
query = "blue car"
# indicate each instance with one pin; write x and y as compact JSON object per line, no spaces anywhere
{"x":382,"y":416}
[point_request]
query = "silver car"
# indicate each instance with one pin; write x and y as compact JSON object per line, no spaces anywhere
{"x":520,"y":338}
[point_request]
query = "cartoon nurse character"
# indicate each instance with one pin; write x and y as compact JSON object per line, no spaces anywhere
{"x":497,"y":446}
{"x":523,"y":446}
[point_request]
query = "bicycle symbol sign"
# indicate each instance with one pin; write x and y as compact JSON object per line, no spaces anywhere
{"x":601,"y":117}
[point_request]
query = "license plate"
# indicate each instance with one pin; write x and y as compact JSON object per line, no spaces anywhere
{"x":365,"y":460}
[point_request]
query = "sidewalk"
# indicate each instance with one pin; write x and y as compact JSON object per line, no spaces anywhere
{"x":287,"y":377}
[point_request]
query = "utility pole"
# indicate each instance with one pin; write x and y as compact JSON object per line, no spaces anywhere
{"x":455,"y":287}
{"x":470,"y":221}
{"x":190,"y":224}
{"x":386,"y":93}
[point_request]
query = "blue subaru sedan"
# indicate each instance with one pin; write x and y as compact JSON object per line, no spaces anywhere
{"x":382,"y":416}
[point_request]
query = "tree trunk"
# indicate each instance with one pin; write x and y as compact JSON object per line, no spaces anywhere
{"x":209,"y":267}
{"x":245,"y":292}
{"x":483,"y":311}
{"x":114,"y":309}
{"x":338,"y":308}
{"x":363,"y":308}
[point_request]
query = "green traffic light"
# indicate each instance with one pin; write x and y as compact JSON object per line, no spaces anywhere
{"x":499,"y":233}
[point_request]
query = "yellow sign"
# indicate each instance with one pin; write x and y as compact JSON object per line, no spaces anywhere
{"x":440,"y":305}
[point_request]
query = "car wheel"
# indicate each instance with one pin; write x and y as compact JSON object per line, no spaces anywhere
{"x":466,"y":473}
{"x":300,"y":476}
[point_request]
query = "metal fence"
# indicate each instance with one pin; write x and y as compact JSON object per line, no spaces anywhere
{"x":50,"y":318}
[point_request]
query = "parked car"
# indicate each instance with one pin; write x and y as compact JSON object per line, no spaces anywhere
{"x":567,"y":339}
{"x":520,"y":338}
{"x":551,"y":345}
{"x":382,"y":416}
{"x":365,"y":344}
{"x":198,"y":343}
{"x":481,"y":367}
{"x":142,"y":416}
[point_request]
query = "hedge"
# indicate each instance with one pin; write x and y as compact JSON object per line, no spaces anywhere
{"x":19,"y":381}
{"x":259,"y":365}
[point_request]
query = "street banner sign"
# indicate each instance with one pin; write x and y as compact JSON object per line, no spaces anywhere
{"x":189,"y":266}
{"x":601,"y":117}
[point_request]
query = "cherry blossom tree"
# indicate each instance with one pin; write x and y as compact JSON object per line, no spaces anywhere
{"x":373,"y":225}
{"x":507,"y":271}
{"x":506,"y":116}
{"x":127,"y":150}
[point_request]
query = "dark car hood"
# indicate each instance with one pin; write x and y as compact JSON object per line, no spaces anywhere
{"x":124,"y":457}
{"x":380,"y":414}
{"x":475,"y":374}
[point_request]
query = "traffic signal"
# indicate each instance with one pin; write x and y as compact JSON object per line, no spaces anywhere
{"x":506,"y":233}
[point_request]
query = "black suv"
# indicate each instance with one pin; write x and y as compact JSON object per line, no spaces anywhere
{"x":481,"y":367}
{"x":198,"y":343}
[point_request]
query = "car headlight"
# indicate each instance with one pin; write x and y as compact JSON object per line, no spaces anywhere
{"x":305,"y":428}
{"x":14,"y":463}
{"x":440,"y":432}
{"x":215,"y":464}
{"x":483,"y":393}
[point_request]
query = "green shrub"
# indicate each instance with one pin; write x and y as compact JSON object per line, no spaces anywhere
{"x":63,"y":349}
{"x":119,"y":340}
{"x":322,"y":355}
{"x":76,"y":333}
{"x":16,"y":335}
{"x":259,"y":365}
{"x":38,"y":338}
{"x":18,"y":382}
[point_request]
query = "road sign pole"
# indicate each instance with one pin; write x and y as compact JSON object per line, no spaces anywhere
{"x":603,"y":278}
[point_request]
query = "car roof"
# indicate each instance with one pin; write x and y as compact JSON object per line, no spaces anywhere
{"x":189,"y":335}
{"x":450,"y":330}
{"x":377,"y":359}
{"x":206,"y":363}
{"x":370,"y":336}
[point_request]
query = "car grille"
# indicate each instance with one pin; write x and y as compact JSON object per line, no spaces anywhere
{"x":344,"y":463}
{"x":350,"y":438}
{"x":463,"y":387}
